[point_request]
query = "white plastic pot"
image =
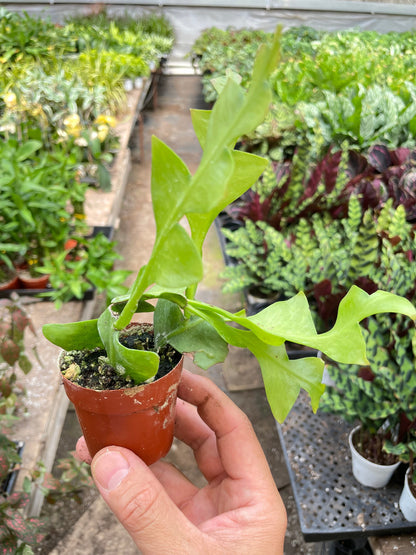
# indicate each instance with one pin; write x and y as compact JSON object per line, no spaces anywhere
{"x":366,"y":472}
{"x":407,"y":501}
{"x":138,"y":83}
{"x":128,"y":85}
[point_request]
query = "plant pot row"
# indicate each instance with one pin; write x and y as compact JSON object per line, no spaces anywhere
{"x":23,"y":280}
{"x":375,"y":475}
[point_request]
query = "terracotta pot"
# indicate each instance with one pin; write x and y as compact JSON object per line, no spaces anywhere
{"x":29,"y":282}
{"x":140,"y":418}
{"x":10,"y":283}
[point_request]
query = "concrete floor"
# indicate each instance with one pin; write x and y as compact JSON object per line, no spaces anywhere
{"x":170,"y":121}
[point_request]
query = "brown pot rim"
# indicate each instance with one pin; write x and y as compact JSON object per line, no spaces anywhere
{"x":130,"y":399}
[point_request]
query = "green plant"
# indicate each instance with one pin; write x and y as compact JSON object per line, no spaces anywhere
{"x":148,"y":38}
{"x":323,"y":257}
{"x":24,"y":36}
{"x":354,"y":85}
{"x":217,"y":51}
{"x":38,"y":189}
{"x":73,"y":476}
{"x":17,"y":531}
{"x":88,"y":265}
{"x":174,"y":267}
{"x":405,"y":450}
{"x":363,"y":116}
{"x":381,"y":396}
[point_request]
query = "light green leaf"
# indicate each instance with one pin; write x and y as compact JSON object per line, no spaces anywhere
{"x":200,"y":120}
{"x":194,"y":336}
{"x":209,"y":185}
{"x":27,"y":149}
{"x":344,"y":342}
{"x":140,"y":365}
{"x":178,"y":263}
{"x":170,"y":184}
{"x":74,"y":335}
{"x":247,"y":169}
{"x":283,"y":378}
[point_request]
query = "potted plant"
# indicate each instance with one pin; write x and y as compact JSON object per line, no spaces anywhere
{"x":323,"y":256}
{"x":405,"y":451}
{"x":39,"y":189}
{"x":85,"y":263}
{"x":183,"y":324}
{"x":379,"y":397}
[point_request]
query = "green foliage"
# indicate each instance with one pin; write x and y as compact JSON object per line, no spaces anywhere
{"x":386,"y":390}
{"x":22,"y":36}
{"x":349,"y":85}
{"x":149,"y":38}
{"x":217,"y":51}
{"x":175,"y":265}
{"x":382,"y":396}
{"x":73,"y":272}
{"x":65,"y":115}
{"x":323,"y":257}
{"x":362,"y":116}
{"x":37,"y":189}
{"x":74,"y":73}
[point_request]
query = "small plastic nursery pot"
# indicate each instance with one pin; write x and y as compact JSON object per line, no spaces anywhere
{"x":29,"y":282}
{"x":140,"y":418}
{"x":407,"y":501}
{"x":10,"y":283}
{"x":366,"y":472}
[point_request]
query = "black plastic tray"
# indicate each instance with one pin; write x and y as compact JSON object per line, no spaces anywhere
{"x":330,"y":502}
{"x":6,"y":487}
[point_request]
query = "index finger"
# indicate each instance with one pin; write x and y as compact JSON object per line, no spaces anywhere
{"x":238,"y":447}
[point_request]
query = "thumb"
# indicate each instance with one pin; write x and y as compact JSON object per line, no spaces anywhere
{"x":141,"y":504}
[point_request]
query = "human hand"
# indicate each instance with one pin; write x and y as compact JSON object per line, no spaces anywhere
{"x":238,"y":511}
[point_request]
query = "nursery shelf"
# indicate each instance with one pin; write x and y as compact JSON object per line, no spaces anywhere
{"x":46,"y":400}
{"x":331,"y":504}
{"x":107,"y":231}
{"x":103,"y":207}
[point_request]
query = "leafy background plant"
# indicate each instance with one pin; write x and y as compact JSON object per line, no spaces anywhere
{"x":61,"y":93}
{"x":353,"y":85}
{"x":336,"y":205}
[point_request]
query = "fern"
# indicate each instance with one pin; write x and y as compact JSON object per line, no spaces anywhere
{"x":365,"y":251}
{"x":360,"y":249}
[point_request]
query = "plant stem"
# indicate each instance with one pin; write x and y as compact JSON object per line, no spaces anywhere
{"x":138,"y":288}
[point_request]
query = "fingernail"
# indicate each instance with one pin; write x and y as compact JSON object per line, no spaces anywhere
{"x":109,"y":469}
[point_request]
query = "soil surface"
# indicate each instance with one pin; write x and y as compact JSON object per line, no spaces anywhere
{"x":370,"y":446}
{"x":92,"y":369}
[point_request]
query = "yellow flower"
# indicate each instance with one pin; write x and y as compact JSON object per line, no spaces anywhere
{"x":75,"y":131}
{"x":72,"y":124}
{"x":36,"y":110}
{"x":104,"y":119}
{"x":10,"y":100}
{"x":72,"y":120}
{"x":102,"y":132}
